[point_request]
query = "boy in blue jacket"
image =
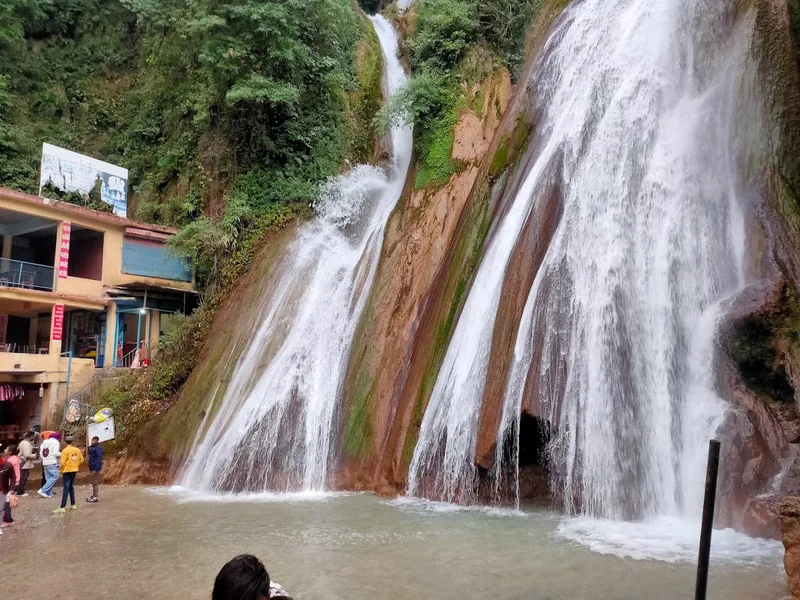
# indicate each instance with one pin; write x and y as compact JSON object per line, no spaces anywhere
{"x":95,"y":453}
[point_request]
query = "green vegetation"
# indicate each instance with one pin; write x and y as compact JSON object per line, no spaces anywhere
{"x":149,"y":392}
{"x":454,"y":45}
{"x":227,"y":115}
{"x":358,"y":428}
{"x":91,"y":200}
{"x":244,"y":104}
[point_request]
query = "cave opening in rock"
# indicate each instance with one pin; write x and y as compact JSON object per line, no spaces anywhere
{"x":534,"y":436}
{"x":532,"y":459}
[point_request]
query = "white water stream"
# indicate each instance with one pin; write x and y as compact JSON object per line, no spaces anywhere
{"x":274,"y":427}
{"x":638,"y":127}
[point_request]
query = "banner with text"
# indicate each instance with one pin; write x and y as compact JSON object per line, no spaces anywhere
{"x":72,"y":172}
{"x":63,"y":253}
{"x":58,"y":322}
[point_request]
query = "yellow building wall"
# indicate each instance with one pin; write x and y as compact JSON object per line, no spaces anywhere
{"x":113,"y":238}
{"x":80,"y":287}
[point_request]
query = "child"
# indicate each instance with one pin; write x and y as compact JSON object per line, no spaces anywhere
{"x":95,"y":466}
{"x":8,"y":480}
{"x":12,"y":455}
{"x":71,"y":461}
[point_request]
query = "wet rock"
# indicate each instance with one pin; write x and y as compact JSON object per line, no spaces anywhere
{"x":419,"y":235}
{"x":790,"y":528}
{"x":761,"y":517}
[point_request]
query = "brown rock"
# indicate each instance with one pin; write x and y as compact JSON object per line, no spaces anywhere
{"x":790,"y":527}
{"x":419,"y":235}
{"x":761,"y":517}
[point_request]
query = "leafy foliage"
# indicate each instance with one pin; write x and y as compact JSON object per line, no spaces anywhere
{"x":226,"y":114}
{"x":445,"y":31}
{"x":448,"y":47}
{"x":91,"y":200}
{"x":179,"y":92}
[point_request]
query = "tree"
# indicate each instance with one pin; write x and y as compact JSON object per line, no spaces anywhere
{"x":445,"y":31}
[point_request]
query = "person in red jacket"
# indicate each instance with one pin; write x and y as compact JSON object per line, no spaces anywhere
{"x":8,"y":479}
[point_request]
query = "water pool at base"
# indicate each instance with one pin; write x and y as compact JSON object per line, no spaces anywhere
{"x":140,"y":544}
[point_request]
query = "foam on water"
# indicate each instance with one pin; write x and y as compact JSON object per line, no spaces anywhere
{"x":669,"y":539}
{"x":184,"y":495}
{"x":433,"y":506}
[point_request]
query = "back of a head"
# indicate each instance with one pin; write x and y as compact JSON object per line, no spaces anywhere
{"x":69,"y":439}
{"x":242,"y":578}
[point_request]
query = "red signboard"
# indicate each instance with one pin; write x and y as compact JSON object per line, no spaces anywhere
{"x":63,"y":252}
{"x":58,"y":322}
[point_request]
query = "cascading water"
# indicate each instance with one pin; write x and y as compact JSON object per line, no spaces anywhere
{"x":273,"y":428}
{"x":637,"y":129}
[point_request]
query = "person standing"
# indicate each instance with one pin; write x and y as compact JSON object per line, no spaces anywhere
{"x":8,"y":479}
{"x":95,"y":453}
{"x":50,"y":452}
{"x":11,"y":454}
{"x":26,"y":458}
{"x":71,"y":461}
{"x":37,"y":444}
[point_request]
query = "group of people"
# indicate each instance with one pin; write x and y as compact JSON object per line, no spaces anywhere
{"x":36,"y":446}
{"x":242,"y":578}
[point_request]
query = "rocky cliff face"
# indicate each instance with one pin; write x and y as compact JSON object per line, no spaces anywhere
{"x":434,"y":240}
{"x":790,"y":526}
{"x":759,"y":357}
{"x":380,"y":424}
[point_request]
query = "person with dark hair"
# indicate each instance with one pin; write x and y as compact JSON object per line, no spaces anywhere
{"x":71,"y":461}
{"x":11,"y":454}
{"x":8,"y":478}
{"x":95,"y":453}
{"x":244,"y":577}
{"x":26,"y":457}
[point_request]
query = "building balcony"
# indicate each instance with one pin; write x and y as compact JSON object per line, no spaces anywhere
{"x":26,"y":275}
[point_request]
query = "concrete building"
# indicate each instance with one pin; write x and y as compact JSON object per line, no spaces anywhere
{"x":80,"y":290}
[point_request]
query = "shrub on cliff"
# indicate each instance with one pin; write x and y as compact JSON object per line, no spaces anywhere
{"x":445,"y":30}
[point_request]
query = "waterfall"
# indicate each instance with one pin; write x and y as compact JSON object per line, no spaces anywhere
{"x":637,"y":130}
{"x":273,"y":428}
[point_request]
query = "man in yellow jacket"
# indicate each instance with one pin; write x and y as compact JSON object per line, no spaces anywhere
{"x":71,"y":461}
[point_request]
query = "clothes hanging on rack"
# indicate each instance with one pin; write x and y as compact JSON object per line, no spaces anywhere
{"x":9,"y":392}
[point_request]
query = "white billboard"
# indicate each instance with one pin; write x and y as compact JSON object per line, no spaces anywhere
{"x":70,"y":171}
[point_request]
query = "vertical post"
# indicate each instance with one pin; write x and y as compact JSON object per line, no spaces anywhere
{"x":69,"y":373}
{"x":69,"y":376}
{"x":708,"y":520}
{"x":139,"y":328}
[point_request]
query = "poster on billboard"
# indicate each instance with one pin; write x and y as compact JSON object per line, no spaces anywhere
{"x":70,"y":171}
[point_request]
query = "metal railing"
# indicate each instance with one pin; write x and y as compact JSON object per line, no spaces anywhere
{"x":21,"y":274}
{"x":23,"y":348}
{"x":127,"y":361}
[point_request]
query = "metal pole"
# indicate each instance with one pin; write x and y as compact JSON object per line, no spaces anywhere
{"x":138,"y":328}
{"x":708,"y":520}
{"x":69,"y":374}
{"x":116,"y":338}
{"x":66,"y":389}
